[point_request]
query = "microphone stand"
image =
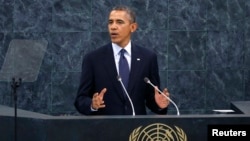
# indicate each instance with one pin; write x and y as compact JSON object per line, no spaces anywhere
{"x":14,"y":86}
{"x":176,"y":107}
{"x":125,"y":90}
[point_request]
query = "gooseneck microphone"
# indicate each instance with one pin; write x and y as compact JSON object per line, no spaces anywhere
{"x":131,"y":103}
{"x":149,"y":82}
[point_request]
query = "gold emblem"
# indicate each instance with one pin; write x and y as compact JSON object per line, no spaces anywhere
{"x":158,"y":132}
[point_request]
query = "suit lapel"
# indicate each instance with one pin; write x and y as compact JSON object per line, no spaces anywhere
{"x":135,"y":67}
{"x":109,"y":65}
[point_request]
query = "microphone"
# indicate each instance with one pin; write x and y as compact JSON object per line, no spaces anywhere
{"x":148,"y":81}
{"x":131,"y":103}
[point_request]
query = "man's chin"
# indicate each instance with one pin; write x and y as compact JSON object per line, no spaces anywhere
{"x":115,"y":41}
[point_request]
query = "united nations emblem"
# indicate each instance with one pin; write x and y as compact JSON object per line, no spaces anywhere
{"x":158,"y":132}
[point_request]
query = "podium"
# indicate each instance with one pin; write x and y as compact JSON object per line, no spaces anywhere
{"x":241,"y":107}
{"x":38,"y":127}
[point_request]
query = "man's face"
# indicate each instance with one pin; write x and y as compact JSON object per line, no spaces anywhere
{"x":120,"y":27}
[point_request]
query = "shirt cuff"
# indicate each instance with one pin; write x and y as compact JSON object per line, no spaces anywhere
{"x":92,"y":109}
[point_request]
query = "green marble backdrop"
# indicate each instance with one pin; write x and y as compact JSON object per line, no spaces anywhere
{"x":203,"y":48}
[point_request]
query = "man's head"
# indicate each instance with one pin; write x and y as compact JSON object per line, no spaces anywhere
{"x":121,"y":24}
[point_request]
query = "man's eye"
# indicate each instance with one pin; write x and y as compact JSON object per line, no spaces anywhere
{"x":120,"y":22}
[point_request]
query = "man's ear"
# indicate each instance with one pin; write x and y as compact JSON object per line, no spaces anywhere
{"x":133,"y":27}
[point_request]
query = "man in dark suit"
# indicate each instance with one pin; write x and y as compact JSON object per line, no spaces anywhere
{"x":100,"y":91}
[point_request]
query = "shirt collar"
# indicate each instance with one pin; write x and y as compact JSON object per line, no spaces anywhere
{"x":117,"y":48}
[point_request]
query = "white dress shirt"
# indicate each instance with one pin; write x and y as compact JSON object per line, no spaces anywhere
{"x":127,"y":54}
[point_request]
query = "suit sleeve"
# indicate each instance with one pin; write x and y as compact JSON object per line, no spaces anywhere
{"x":155,"y":79}
{"x":85,"y":92}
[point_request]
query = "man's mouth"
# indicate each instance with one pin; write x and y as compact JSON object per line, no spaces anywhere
{"x":113,"y":34}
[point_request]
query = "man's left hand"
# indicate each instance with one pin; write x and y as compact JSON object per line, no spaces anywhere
{"x":160,"y":99}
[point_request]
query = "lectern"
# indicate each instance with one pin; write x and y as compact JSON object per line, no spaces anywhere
{"x":39,"y":127}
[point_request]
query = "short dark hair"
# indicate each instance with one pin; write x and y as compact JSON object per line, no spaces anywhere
{"x":127,"y":9}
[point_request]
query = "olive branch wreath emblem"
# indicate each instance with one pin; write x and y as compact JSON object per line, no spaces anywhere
{"x":158,"y":131}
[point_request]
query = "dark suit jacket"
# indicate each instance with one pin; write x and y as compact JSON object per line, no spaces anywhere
{"x":99,"y":71}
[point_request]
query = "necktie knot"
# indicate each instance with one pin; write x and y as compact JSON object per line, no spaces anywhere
{"x":122,"y":52}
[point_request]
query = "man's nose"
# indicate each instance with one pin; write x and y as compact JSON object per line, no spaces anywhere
{"x":113,"y":26}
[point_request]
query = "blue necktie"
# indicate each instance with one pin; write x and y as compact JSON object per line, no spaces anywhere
{"x":123,"y":68}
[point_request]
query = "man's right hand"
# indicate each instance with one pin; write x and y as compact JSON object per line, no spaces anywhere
{"x":97,"y":100}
